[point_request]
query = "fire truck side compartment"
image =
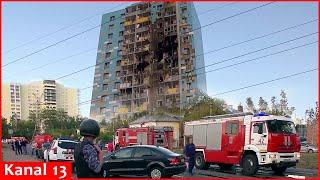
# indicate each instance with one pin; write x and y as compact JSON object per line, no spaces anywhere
{"x":205,"y":135}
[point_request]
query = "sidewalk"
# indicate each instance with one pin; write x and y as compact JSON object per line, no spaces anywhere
{"x":10,"y":156}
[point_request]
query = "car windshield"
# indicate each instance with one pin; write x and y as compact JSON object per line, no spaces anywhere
{"x":66,"y":144}
{"x":281,"y":126}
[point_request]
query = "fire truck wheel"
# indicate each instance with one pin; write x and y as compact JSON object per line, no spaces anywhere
{"x":155,"y":173}
{"x":200,"y":162}
{"x":279,"y":170}
{"x":250,"y":165}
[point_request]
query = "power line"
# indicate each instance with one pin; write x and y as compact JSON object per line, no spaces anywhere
{"x":244,"y":87}
{"x":58,"y":60}
{"x":61,"y":29}
{"x":265,"y":82}
{"x":279,"y":52}
{"x":219,"y":62}
{"x":78,"y":34}
{"x":261,"y":36}
{"x":59,"y":42}
{"x":268,"y":47}
{"x":208,"y":52}
{"x":217,"y":8}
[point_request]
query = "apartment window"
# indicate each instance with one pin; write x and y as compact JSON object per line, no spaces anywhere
{"x":122,"y":15}
{"x":108,"y":55}
{"x":106,"y":76}
{"x":121,"y":33}
{"x":159,"y":90}
{"x":102,"y":110}
{"x":121,"y":24}
{"x":120,"y":43}
{"x":116,"y":97}
{"x":105,"y":87}
{"x":111,"y":26}
{"x":159,"y":103}
{"x":119,"y":53}
{"x":117,"y":85}
{"x":104,"y":98}
{"x":118,"y":63}
{"x":106,"y":65}
{"x":109,"y":45}
{"x":112,"y":18}
{"x":110,"y":36}
{"x":118,"y":73}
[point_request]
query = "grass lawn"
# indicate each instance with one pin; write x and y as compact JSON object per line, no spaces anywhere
{"x":308,"y":161}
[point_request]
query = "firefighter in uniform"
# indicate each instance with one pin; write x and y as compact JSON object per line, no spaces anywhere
{"x":190,"y":152}
{"x":88,"y":157}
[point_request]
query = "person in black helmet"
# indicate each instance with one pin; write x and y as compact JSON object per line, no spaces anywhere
{"x":88,"y":157}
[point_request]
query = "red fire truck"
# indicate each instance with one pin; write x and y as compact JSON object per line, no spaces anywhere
{"x":245,"y":139}
{"x":144,"y":136}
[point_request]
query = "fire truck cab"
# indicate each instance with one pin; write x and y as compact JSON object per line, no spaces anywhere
{"x":249,"y":140}
{"x":144,"y":136}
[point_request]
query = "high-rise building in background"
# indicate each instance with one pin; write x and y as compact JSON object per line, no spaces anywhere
{"x":150,"y":55}
{"x":20,"y":100}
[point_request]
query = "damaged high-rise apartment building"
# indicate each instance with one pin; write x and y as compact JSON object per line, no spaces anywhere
{"x":150,"y":56}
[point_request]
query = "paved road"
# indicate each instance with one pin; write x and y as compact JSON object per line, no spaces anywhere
{"x":213,"y":172}
{"x":9,"y":155}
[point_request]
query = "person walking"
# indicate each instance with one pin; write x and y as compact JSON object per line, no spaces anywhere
{"x":23,"y":146}
{"x":190,"y":152}
{"x":17,"y":145}
{"x":12,"y":144}
{"x":88,"y":156}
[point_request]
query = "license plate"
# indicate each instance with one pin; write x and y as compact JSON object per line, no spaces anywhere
{"x":182,"y":160}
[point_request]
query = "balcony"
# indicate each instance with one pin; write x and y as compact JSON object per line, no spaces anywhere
{"x":172,"y":90}
{"x":142,"y":20}
{"x":125,"y":85}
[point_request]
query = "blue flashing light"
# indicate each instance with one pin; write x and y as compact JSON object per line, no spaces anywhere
{"x":260,"y":114}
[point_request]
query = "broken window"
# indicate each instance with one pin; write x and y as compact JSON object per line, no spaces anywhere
{"x":105,"y":87}
{"x":118,"y":74}
{"x":121,"y":33}
{"x":109,"y":45}
{"x":106,"y":65}
{"x":111,"y":26}
{"x":110,"y":36}
{"x":108,"y":55}
{"x":112,"y":18}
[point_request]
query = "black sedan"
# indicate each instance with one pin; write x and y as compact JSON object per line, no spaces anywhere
{"x":156,"y":162}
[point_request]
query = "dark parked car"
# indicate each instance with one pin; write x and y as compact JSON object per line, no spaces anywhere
{"x":156,"y":162}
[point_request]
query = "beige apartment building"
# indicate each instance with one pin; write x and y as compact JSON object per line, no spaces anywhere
{"x":19,"y":100}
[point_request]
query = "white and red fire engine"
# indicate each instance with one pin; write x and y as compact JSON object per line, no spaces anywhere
{"x":144,"y":136}
{"x":245,"y":139}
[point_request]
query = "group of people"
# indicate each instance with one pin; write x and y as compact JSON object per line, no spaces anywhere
{"x":19,"y":145}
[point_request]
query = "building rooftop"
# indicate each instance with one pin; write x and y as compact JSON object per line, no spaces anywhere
{"x":156,"y":118}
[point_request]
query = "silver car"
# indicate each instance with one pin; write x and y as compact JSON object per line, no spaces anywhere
{"x":308,"y":148}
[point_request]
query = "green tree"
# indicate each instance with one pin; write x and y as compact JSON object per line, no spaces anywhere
{"x":5,"y":128}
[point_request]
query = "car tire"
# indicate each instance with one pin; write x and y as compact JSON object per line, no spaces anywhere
{"x":200,"y":162}
{"x":279,"y":170}
{"x":250,"y":165}
{"x":156,"y":173}
{"x":310,"y":151}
